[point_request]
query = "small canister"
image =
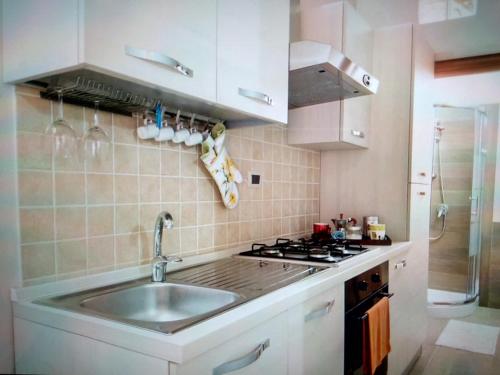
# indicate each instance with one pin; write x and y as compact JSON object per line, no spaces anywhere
{"x":367,"y":220}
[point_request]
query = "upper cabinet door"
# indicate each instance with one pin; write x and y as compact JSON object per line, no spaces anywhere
{"x":252,"y":56}
{"x":162,"y":43}
{"x":39,"y":37}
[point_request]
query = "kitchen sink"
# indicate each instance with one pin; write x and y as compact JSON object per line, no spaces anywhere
{"x":189,"y":296}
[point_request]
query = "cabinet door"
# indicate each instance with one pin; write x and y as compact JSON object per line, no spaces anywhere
{"x":422,"y":133}
{"x":261,"y":350}
{"x":162,"y":43}
{"x":252,"y":56}
{"x":316,"y":329}
{"x":357,"y":46}
{"x":39,"y":37}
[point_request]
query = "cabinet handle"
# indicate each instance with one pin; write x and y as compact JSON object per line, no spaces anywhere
{"x":160,"y":59}
{"x":358,"y":133}
{"x":241,"y":362}
{"x":400,"y":265}
{"x":421,"y":193}
{"x":320,"y":312}
{"x":423,"y":174}
{"x":261,"y":97}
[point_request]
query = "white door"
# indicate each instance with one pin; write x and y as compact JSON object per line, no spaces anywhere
{"x":167,"y":44}
{"x":252,"y":56}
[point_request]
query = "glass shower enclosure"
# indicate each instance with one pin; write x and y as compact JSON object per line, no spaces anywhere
{"x":456,"y":205}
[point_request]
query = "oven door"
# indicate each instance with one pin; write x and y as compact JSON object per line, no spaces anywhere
{"x":353,"y":339}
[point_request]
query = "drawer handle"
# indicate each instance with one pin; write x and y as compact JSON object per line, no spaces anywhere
{"x":423,"y":174}
{"x":358,"y":133}
{"x":261,"y":97}
{"x":421,"y":193}
{"x":242,"y":362}
{"x":160,"y":59}
{"x":400,"y":265}
{"x":320,"y":312}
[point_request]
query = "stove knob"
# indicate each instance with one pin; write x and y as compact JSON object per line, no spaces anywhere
{"x":363,"y":286}
{"x":376,"y":278}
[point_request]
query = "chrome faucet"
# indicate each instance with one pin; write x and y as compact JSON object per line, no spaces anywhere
{"x":159,"y":262}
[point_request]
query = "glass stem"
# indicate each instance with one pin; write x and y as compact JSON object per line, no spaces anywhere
{"x":96,"y":114}
{"x":61,"y":106}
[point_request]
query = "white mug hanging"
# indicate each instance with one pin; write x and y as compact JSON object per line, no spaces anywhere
{"x":149,"y":130}
{"x":195,"y":138}
{"x":166,"y":133}
{"x":181,"y":133}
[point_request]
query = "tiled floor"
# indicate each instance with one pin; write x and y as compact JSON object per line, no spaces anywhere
{"x":440,"y":360}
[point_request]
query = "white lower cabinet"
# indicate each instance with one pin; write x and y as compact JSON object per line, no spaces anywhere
{"x":407,"y":313}
{"x":260,"y":350}
{"x":316,"y":335}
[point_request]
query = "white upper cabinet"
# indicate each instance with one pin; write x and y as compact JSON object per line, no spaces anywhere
{"x":222,"y":58}
{"x":39,"y":37}
{"x":252,"y":56}
{"x":345,"y":123}
{"x":165,"y":43}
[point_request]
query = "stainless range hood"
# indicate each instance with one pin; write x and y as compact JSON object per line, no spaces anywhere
{"x":319,"y":74}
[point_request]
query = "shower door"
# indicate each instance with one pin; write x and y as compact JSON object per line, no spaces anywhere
{"x":476,"y":200}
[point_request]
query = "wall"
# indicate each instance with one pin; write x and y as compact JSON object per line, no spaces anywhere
{"x":448,"y":263}
{"x":89,"y":218}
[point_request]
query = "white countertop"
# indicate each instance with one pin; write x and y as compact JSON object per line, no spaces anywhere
{"x":192,"y":341}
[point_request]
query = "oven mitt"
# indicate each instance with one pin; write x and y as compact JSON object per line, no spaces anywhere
{"x":220,"y":165}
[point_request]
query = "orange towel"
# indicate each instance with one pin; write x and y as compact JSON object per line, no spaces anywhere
{"x":376,"y":336}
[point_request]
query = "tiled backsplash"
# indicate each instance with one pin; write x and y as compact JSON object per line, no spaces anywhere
{"x":86,"y":218}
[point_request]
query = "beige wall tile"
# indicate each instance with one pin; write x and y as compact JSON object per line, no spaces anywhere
{"x":125,"y":159}
{"x":170,"y":163}
{"x":124,"y":128}
{"x":189,"y":239}
{"x":220,"y":213}
{"x":148,"y":214}
{"x":205,"y":213}
{"x":36,"y":224}
{"x":70,"y":222}
{"x":170,"y":189}
{"x":126,"y":189}
{"x":206,"y":189}
{"x":171,"y":241}
{"x":146,"y":245}
{"x":100,"y":220}
{"x":34,"y":151}
{"x":100,"y":189}
{"x":189,"y":165}
{"x":33,"y":113}
{"x":149,"y":161}
{"x":35,"y":188}
{"x":220,"y":235}
{"x":205,"y":237}
{"x":71,"y":256}
{"x":233,"y":233}
{"x":38,"y":260}
{"x":101,"y":252}
{"x":127,"y":248}
{"x":150,"y":189}
{"x":70,"y":188}
{"x":127,"y":218}
{"x":188,"y":190}
{"x":188,"y":214}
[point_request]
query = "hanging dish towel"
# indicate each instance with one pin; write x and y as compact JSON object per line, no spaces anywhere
{"x":220,"y":165}
{"x":376,"y":336}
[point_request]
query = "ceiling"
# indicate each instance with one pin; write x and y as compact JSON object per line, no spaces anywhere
{"x":468,"y":36}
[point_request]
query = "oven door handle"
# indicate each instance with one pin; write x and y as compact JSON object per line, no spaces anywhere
{"x":315,"y":314}
{"x":383,"y":294}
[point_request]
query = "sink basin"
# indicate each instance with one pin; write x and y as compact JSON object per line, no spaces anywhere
{"x":160,"y":302}
{"x":191,"y":294}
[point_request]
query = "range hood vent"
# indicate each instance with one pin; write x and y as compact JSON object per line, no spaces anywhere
{"x":319,"y":74}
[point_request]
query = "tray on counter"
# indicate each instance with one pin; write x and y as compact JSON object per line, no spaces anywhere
{"x":367,"y":241}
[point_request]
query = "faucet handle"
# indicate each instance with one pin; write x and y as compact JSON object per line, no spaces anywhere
{"x":173,"y":258}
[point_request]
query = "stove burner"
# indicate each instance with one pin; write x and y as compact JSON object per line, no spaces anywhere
{"x":326,"y":250}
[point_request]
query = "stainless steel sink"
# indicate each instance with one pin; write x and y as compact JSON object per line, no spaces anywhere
{"x":190,"y":295}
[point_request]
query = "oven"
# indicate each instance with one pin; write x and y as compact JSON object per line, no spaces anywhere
{"x":361,"y":293}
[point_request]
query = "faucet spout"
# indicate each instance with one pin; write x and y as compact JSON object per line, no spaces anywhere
{"x":159,"y":262}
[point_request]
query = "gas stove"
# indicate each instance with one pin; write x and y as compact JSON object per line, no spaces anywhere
{"x":326,"y":250}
